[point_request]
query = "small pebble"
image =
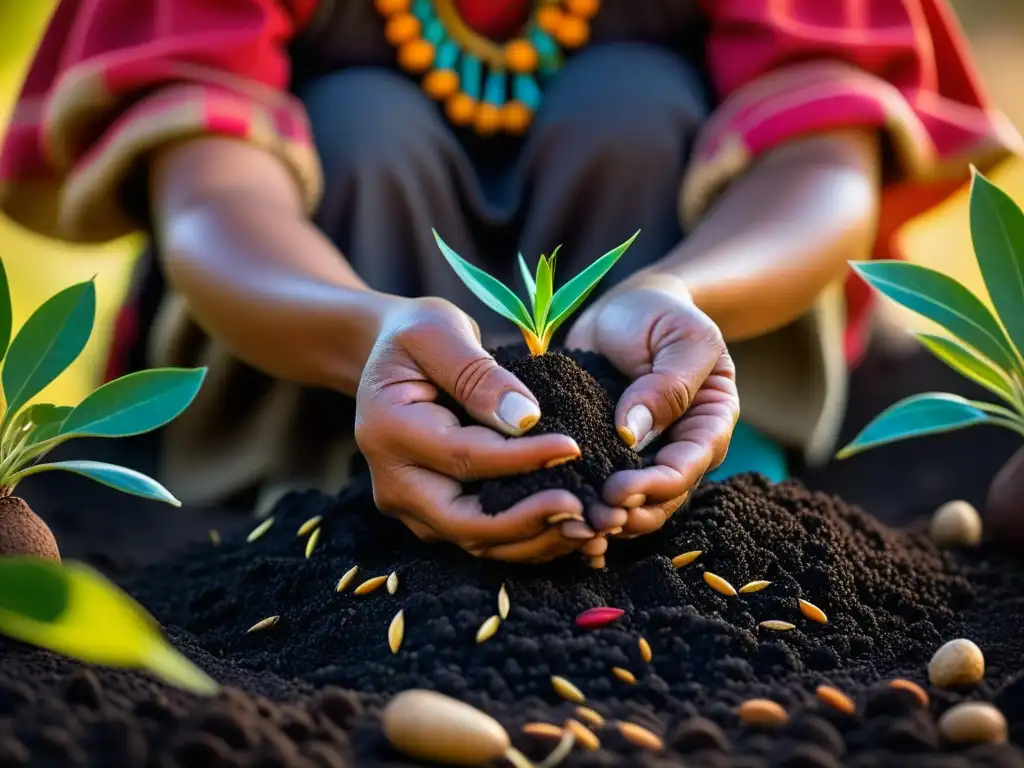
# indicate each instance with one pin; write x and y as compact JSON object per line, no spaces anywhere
{"x":973,"y":722}
{"x":958,"y":663}
{"x":956,"y":524}
{"x":698,"y":734}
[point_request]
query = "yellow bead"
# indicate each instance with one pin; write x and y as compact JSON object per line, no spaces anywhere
{"x":549,"y":17}
{"x":416,"y":56}
{"x":440,"y":83}
{"x":520,"y":56}
{"x":585,"y":9}
{"x":402,"y":28}
{"x":487,"y":119}
{"x":389,"y":7}
{"x":572,"y":32}
{"x":460,"y":109}
{"x":516,"y":117}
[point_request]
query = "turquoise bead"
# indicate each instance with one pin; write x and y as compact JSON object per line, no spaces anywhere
{"x":526,"y":90}
{"x":423,"y":10}
{"x":447,"y":55}
{"x":433,"y":32}
{"x":494,"y":90}
{"x":471,"y":76}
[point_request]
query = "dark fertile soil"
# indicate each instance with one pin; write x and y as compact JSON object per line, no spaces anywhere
{"x":306,"y":693}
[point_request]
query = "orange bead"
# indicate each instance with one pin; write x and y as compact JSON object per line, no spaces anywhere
{"x":521,"y":56}
{"x":585,"y":9}
{"x":572,"y":32}
{"x":416,"y":56}
{"x":487,"y":119}
{"x":440,"y":83}
{"x":460,"y":109}
{"x":516,"y":117}
{"x":549,"y":17}
{"x":402,"y":28}
{"x":389,"y":7}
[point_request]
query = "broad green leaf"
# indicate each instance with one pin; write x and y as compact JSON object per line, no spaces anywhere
{"x":41,"y":421}
{"x":531,"y":287}
{"x":51,"y":339}
{"x":571,"y":295}
{"x":997,"y":231}
{"x":926,"y":414}
{"x":137,"y":403}
{"x":489,"y":290}
{"x":118,"y":478}
{"x":968,"y":364}
{"x":73,"y":610}
{"x":545,"y":289}
{"x":6,"y":315}
{"x":49,"y":429}
{"x":942,"y":299}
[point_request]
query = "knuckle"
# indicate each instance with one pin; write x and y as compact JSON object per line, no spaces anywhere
{"x":471,"y":379}
{"x":462,"y":464}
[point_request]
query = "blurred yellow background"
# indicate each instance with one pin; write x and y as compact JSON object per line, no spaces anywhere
{"x":37,"y":268}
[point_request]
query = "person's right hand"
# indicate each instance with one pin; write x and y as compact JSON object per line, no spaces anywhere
{"x":419,"y":454}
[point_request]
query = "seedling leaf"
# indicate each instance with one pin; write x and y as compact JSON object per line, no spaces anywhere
{"x":51,"y":339}
{"x":545,"y":289}
{"x":134,"y":404}
{"x":531,"y":286}
{"x":997,"y":231}
{"x":925,"y":414}
{"x":489,"y":290}
{"x":41,"y":421}
{"x":945,"y":301}
{"x":6,"y":315}
{"x":119,"y":478}
{"x":969,"y":365}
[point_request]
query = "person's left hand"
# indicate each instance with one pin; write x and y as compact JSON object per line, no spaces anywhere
{"x":683,"y":385}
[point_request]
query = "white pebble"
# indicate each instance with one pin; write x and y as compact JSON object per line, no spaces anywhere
{"x":973,"y":722}
{"x":956,"y":524}
{"x":959,"y":662}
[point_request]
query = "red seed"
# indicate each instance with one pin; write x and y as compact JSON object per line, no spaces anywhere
{"x":598,"y":617}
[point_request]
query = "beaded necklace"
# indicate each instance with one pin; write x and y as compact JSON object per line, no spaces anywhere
{"x":485,"y":85}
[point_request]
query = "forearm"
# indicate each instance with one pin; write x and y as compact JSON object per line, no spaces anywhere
{"x":781,"y":233}
{"x":257,"y":275}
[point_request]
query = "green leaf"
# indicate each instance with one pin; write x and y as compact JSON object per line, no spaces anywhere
{"x":51,"y":339}
{"x":571,"y":295}
{"x":6,"y":315}
{"x":942,"y":299}
{"x":545,"y":289}
{"x":137,"y":403}
{"x":531,"y":287}
{"x":997,"y":230}
{"x":926,"y":414}
{"x":969,"y":365}
{"x":118,"y":478}
{"x":73,"y":610}
{"x":43,"y":421}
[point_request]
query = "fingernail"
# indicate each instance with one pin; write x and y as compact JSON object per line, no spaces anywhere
{"x":577,"y":529}
{"x":639,"y":422}
{"x":561,"y":517}
{"x":633,"y":501}
{"x":613,"y":531}
{"x":520,"y":413}
{"x":627,"y":436}
{"x":560,"y":461}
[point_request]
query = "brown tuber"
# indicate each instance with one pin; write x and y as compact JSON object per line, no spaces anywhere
{"x":22,"y":532}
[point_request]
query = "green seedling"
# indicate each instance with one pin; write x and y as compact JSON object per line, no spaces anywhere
{"x":550,"y":308}
{"x":983,"y":347}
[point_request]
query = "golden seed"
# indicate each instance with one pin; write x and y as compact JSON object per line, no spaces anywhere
{"x":973,"y":722}
{"x":686,"y":558}
{"x":259,"y":530}
{"x":309,"y":525}
{"x":393,"y":583}
{"x":545,"y":730}
{"x":958,"y":662}
{"x":645,"y":650}
{"x":956,"y":524}
{"x":345,"y":580}
{"x":396,"y":631}
{"x":812,"y":612}
{"x":836,"y":699}
{"x":567,"y":690}
{"x":592,"y":716}
{"x":624,"y":675}
{"x":719,"y":584}
{"x":312,"y":542}
{"x":504,"y":605}
{"x":753,"y":586}
{"x":267,"y":623}
{"x":914,"y":688}
{"x":215,"y":537}
{"x":487,"y":629}
{"x":776,"y":624}
{"x":584,"y":736}
{"x":640,"y":736}
{"x":762,"y":712}
{"x":370,"y":584}
{"x":432,"y":727}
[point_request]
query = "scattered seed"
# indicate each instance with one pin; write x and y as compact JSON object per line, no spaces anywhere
{"x":370,"y":584}
{"x":544,"y":730}
{"x":958,"y":662}
{"x":259,"y":530}
{"x":645,"y":650}
{"x":393,"y":583}
{"x":753,"y":586}
{"x":439,"y":729}
{"x":267,"y":623}
{"x":215,"y":537}
{"x":311,"y":543}
{"x":686,"y":558}
{"x":719,"y":584}
{"x":584,"y":736}
{"x":956,"y":524}
{"x":640,"y":736}
{"x":598,"y":617}
{"x":762,"y":712}
{"x":624,"y":675}
{"x":836,"y":699}
{"x":309,"y":525}
{"x":345,"y":580}
{"x":487,"y":629}
{"x":567,"y":690}
{"x":592,"y":716}
{"x":504,"y":605}
{"x":396,"y":631}
{"x":812,"y":612}
{"x":914,"y":688}
{"x":776,"y":624}
{"x":973,"y":722}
